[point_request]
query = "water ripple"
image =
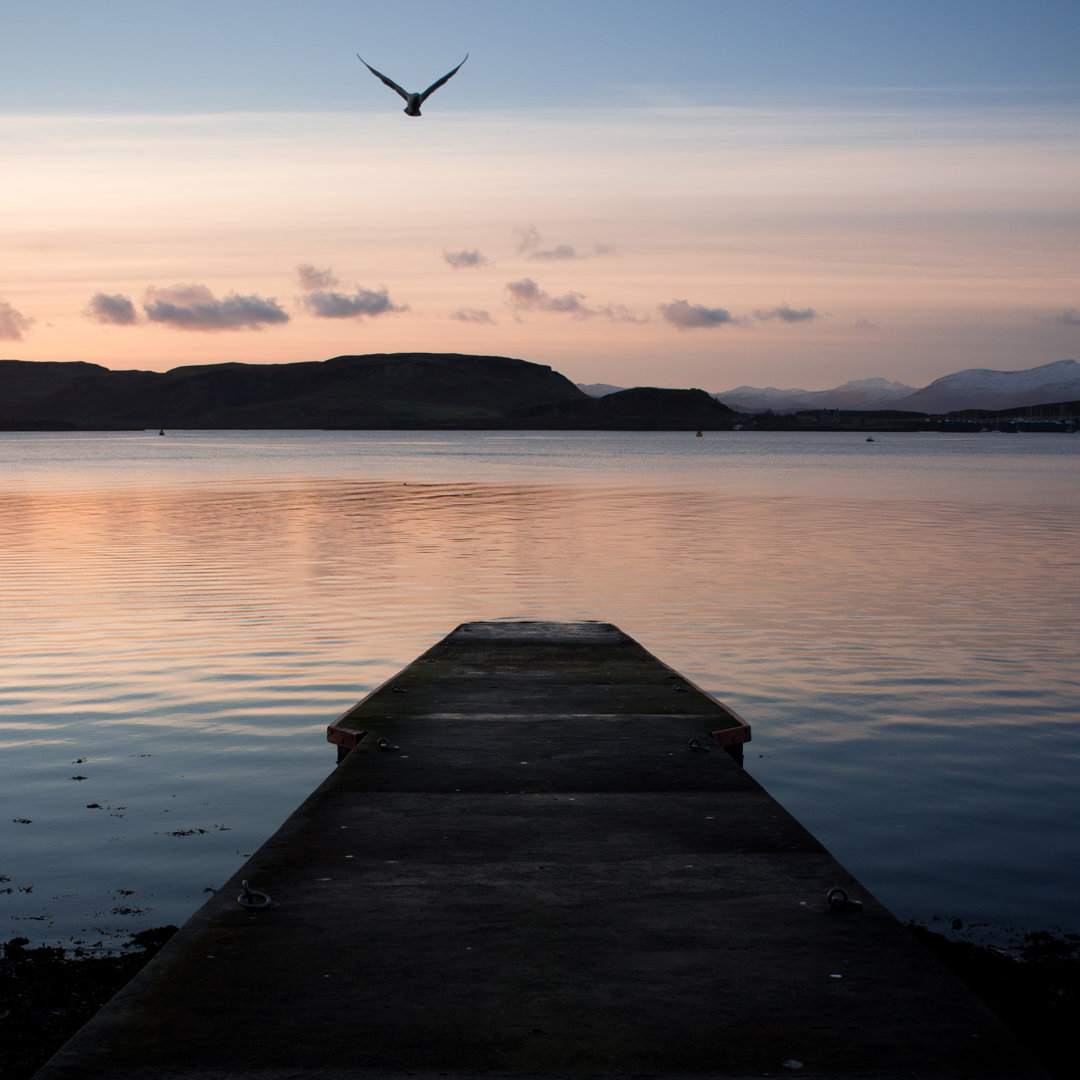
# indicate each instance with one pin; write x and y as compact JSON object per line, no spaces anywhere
{"x":185,"y":617}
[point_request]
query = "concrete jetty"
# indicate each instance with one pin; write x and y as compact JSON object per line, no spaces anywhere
{"x":540,"y":858}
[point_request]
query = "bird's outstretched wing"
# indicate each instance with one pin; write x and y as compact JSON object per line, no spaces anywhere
{"x":390,"y":82}
{"x":435,"y":85}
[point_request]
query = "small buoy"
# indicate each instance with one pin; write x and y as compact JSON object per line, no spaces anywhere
{"x":698,"y":436}
{"x":162,"y":431}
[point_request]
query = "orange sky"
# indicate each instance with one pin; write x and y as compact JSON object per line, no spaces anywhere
{"x":651,"y":244}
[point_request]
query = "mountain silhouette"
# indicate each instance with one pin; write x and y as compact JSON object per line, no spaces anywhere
{"x":386,"y":390}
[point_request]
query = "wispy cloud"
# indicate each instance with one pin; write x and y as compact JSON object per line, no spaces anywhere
{"x":363,"y":303}
{"x":312,"y":278}
{"x":686,"y":316}
{"x":526,"y":295}
{"x":560,"y":251}
{"x":472,"y":315}
{"x":620,"y":313}
{"x":324,"y":302}
{"x":1069,"y":317}
{"x":114,"y":310}
{"x":530,"y":245}
{"x":12,"y":322}
{"x":463,"y":260}
{"x":787,"y":314}
{"x":194,"y":307}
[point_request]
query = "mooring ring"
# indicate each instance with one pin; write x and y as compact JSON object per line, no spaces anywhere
{"x":253,"y":898}
{"x":838,"y":898}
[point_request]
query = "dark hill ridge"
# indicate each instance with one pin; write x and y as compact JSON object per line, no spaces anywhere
{"x":388,"y":390}
{"x":22,"y":380}
{"x":644,"y":408}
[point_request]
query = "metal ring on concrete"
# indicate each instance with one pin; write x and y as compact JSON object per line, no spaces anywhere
{"x":838,"y":898}
{"x":253,"y":898}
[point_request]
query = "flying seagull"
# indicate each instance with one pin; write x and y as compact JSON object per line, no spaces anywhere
{"x":412,"y":101}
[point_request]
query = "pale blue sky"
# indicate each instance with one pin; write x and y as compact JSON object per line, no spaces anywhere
{"x":238,"y":55}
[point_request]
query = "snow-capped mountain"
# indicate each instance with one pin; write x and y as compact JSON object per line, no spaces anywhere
{"x":982,"y":388}
{"x":973,"y":388}
{"x":858,"y":394}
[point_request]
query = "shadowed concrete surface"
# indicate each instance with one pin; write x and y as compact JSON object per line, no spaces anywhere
{"x":539,"y":862}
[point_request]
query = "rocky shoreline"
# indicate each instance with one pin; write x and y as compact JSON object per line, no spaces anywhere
{"x":47,"y":994}
{"x":1033,"y":987}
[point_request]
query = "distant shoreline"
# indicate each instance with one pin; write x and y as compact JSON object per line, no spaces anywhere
{"x":435,"y":392}
{"x":868,"y":423}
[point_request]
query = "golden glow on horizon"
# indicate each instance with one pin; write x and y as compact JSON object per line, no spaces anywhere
{"x":923,"y":244}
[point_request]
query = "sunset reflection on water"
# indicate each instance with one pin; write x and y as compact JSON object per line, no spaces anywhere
{"x":186,"y":631}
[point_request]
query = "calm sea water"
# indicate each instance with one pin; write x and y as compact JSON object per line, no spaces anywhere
{"x":183,"y":616}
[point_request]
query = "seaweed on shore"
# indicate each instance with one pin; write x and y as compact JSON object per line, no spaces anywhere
{"x":1033,"y":988}
{"x":47,"y":994}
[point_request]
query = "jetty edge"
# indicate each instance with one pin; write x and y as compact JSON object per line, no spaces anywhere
{"x":524,"y":670}
{"x":537,"y":861}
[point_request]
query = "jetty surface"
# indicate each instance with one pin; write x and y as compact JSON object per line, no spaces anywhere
{"x":540,"y":858}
